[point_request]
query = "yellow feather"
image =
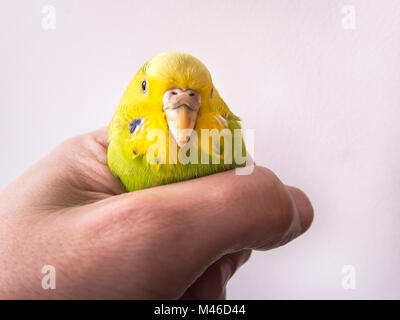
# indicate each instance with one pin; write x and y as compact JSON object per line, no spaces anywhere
{"x":129,"y":157}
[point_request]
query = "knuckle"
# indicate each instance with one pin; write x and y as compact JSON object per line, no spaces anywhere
{"x":73,"y":142}
{"x":79,"y":142}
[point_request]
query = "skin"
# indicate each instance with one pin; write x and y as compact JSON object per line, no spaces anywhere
{"x":69,"y":211}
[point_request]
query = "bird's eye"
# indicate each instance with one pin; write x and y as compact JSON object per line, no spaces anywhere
{"x":211,"y":93}
{"x":144,"y":86}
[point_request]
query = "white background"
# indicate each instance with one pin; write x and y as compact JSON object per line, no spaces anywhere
{"x":323,"y":99}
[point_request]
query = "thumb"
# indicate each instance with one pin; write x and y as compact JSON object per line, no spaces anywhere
{"x":192,"y":224}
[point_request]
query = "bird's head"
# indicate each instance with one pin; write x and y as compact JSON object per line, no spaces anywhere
{"x":176,"y":85}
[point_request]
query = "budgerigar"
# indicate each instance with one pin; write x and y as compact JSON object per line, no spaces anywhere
{"x":172,"y":125}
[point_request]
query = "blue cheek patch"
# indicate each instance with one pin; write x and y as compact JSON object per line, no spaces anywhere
{"x":133,"y":125}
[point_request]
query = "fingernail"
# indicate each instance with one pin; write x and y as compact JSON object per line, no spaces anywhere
{"x":232,"y":263}
{"x":304,"y":207}
{"x":227,"y":270}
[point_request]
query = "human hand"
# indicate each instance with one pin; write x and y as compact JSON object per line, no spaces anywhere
{"x":183,"y":240}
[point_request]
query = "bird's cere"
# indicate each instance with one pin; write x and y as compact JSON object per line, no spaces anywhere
{"x":181,"y":108}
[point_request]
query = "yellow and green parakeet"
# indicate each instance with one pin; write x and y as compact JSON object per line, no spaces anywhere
{"x":172,"y":125}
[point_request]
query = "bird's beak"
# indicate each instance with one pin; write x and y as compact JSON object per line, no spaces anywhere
{"x":181,"y":109}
